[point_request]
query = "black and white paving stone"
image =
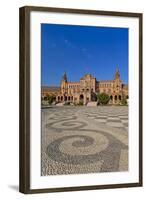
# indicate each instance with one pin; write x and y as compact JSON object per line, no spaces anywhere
{"x":80,"y":139}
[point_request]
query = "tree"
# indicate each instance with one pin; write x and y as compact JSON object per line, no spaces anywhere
{"x":50,"y":99}
{"x":103,"y":98}
{"x":124,"y":101}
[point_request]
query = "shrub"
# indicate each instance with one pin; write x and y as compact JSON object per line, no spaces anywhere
{"x":80,"y":103}
{"x":103,"y":98}
{"x":50,"y":99}
{"x":124,"y":102}
{"x":67,"y":103}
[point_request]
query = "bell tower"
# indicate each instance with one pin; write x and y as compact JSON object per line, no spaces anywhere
{"x":117,"y":74}
{"x":64,"y":83}
{"x":117,"y":82}
{"x":64,"y":77}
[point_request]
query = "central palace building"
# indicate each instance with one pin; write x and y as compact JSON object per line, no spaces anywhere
{"x":87,"y":88}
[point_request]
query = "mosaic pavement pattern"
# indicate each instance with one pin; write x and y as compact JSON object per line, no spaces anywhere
{"x":84,"y":140}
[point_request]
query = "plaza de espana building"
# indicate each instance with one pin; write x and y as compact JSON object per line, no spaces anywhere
{"x":87,"y":88}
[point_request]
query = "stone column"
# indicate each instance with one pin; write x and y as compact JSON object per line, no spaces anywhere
{"x":113,"y":99}
{"x":90,"y":96}
{"x":84,"y":101}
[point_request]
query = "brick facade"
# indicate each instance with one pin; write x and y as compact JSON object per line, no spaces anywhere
{"x":88,"y":87}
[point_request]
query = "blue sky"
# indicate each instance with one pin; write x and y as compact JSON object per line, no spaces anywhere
{"x":78,"y":50}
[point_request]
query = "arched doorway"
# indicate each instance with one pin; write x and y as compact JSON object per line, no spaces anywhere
{"x":115,"y":97}
{"x":111,"y":97}
{"x":81,"y":97}
{"x":65,"y":98}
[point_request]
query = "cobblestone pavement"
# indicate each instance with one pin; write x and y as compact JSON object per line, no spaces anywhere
{"x":84,"y":139}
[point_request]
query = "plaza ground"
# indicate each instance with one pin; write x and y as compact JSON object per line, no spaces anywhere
{"x":81,"y":139}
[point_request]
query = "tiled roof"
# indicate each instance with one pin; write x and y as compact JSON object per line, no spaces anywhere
{"x":105,"y":81}
{"x":50,"y":88}
{"x":71,"y":83}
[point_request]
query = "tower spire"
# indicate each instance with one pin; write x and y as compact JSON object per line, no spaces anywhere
{"x":117,"y":74}
{"x":64,"y":78}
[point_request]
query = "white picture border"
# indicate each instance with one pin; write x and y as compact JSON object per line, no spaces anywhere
{"x":132,"y":176}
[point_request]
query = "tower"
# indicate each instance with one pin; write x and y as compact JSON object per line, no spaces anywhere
{"x":117,"y":82}
{"x":117,"y":74}
{"x":64,"y":83}
{"x":64,"y":77}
